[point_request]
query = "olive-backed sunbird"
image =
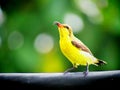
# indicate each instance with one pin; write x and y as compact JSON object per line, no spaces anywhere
{"x":75,"y":50}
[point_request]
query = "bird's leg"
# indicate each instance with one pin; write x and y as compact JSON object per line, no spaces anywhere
{"x":87,"y":70}
{"x":70,"y":69}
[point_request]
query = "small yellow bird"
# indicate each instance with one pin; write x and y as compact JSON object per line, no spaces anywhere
{"x":77,"y":52}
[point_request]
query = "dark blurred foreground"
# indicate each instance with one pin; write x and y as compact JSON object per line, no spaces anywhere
{"x":94,"y":80}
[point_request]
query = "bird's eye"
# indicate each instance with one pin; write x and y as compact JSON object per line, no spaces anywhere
{"x":66,"y":27}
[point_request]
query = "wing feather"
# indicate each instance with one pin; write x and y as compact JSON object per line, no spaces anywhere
{"x":78,"y":44}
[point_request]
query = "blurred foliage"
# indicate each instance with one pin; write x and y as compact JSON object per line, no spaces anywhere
{"x":22,"y":21}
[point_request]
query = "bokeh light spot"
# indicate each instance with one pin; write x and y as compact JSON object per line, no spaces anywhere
{"x":2,"y":17}
{"x":89,"y":8}
{"x":44,"y":43}
{"x":74,"y":21}
{"x":15,"y":40}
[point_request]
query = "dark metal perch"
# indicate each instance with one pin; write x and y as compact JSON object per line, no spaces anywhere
{"x":99,"y":79}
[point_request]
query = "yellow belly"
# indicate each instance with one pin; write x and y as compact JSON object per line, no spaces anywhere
{"x":76,"y":56}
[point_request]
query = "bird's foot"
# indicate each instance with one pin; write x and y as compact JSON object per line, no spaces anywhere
{"x":65,"y":72}
{"x":85,"y":73}
{"x":68,"y":70}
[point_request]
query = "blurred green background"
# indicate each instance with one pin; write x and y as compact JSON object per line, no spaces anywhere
{"x":29,"y":42}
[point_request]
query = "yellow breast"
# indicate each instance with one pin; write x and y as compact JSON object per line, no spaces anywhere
{"x":75,"y":55}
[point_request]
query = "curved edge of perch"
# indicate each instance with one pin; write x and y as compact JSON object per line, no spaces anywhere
{"x":101,"y":79}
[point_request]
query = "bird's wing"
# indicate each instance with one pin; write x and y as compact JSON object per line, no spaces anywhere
{"x":78,"y":44}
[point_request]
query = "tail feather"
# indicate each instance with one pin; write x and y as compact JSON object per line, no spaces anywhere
{"x":101,"y":62}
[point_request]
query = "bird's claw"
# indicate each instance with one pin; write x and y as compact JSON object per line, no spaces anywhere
{"x":85,"y":73}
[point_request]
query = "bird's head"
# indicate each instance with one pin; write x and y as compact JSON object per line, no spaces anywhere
{"x":64,"y":30}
